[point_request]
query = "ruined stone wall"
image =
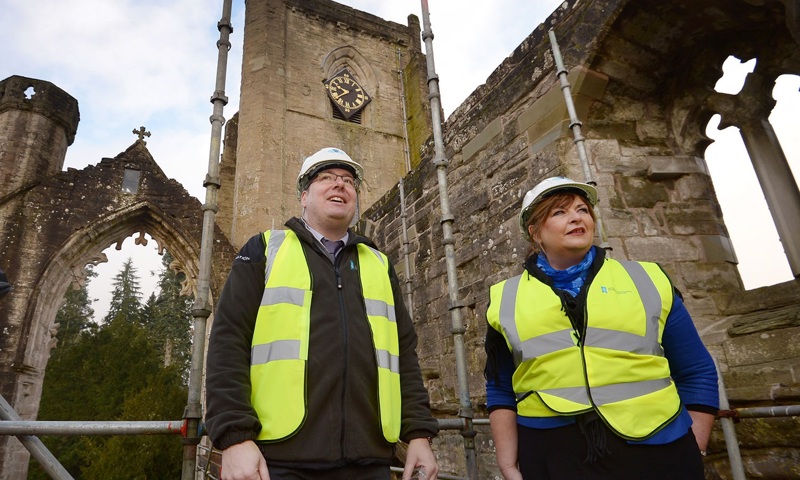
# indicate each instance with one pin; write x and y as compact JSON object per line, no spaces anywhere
{"x":290,"y":48}
{"x":227,"y":175}
{"x":37,"y":122}
{"x":640,"y":99}
{"x":415,"y":93}
{"x":57,"y":225}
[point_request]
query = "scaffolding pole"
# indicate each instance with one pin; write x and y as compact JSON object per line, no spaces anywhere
{"x":765,"y":412}
{"x":91,"y":427}
{"x":406,"y":152}
{"x":201,"y":309}
{"x":458,"y":330}
{"x":728,"y":431}
{"x":38,"y":450}
{"x":575,"y":126}
{"x":406,"y":253}
{"x":403,"y":214}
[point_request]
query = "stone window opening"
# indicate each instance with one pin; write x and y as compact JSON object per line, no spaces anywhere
{"x":29,"y":92}
{"x":346,"y":62}
{"x":130,"y":181}
{"x":743,"y":194}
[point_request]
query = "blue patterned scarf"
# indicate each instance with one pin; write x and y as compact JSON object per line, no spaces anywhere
{"x":571,"y":279}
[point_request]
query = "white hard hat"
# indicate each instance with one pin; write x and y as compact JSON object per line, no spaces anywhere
{"x":550,"y":185}
{"x":326,"y":158}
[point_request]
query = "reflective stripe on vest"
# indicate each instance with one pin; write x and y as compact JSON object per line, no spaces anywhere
{"x":280,"y":341}
{"x":379,"y":301}
{"x":625,"y":376}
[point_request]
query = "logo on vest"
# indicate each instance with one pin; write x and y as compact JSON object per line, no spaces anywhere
{"x":612,"y":289}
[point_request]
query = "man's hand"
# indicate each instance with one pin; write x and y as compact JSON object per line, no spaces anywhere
{"x":420,"y":455}
{"x":243,"y":461}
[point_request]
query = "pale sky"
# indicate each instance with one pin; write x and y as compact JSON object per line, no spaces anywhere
{"x":152,"y":62}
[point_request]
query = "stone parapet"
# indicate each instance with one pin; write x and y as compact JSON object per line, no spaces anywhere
{"x":44,"y":98}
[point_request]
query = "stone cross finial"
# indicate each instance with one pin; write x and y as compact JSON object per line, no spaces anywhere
{"x":141,"y":133}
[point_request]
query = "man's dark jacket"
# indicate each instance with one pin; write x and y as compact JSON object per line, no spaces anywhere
{"x":342,"y":424}
{"x":5,"y":287}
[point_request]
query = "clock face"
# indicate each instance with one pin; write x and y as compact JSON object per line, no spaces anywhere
{"x":346,"y":93}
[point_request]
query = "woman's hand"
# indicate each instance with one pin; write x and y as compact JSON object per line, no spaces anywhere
{"x":504,"y":433}
{"x":511,"y":473}
{"x":702,"y":423}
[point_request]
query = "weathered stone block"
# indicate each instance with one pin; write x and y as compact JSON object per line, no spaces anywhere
{"x":650,"y":131}
{"x":765,"y":347}
{"x":769,"y":463}
{"x":764,"y":298}
{"x":696,"y":187}
{"x":693,"y":218}
{"x":548,"y":114}
{"x":669,"y":168}
{"x":759,"y":382}
{"x":480,"y":140}
{"x":762,"y":321}
{"x":711,"y":277}
{"x":639,"y":193}
{"x":660,"y":249}
{"x":718,"y":248}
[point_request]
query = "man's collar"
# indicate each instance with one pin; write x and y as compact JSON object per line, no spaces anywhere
{"x":320,"y":236}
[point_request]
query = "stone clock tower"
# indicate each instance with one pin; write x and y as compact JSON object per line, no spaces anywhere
{"x":316,"y":74}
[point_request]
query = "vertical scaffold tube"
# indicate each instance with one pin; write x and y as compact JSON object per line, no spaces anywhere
{"x":201,"y":309}
{"x":403,"y":214}
{"x":406,"y":253}
{"x":406,"y":153}
{"x":575,"y":126}
{"x":440,"y":161}
{"x":729,"y":431}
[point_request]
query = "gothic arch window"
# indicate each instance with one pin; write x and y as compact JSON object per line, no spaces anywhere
{"x":754,"y":164}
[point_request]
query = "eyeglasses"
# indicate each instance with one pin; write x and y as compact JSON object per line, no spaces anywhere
{"x":330,"y":177}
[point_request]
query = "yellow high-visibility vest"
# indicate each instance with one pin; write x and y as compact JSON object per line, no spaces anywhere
{"x":618,"y":369}
{"x":280,"y":341}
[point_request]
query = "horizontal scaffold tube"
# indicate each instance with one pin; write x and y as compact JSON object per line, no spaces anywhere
{"x":744,"y":412}
{"x":23,"y":427}
{"x":763,"y":412}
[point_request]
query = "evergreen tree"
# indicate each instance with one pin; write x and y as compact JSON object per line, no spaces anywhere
{"x":116,"y":371}
{"x":169,"y":317}
{"x":89,"y":381}
{"x":75,"y":315}
{"x":149,"y":456}
{"x":148,"y":312}
{"x":126,"y":296}
{"x":75,"y":321}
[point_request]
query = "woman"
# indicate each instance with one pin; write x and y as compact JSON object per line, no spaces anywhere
{"x":594,"y":367}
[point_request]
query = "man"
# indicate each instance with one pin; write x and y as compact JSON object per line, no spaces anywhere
{"x":312,"y":369}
